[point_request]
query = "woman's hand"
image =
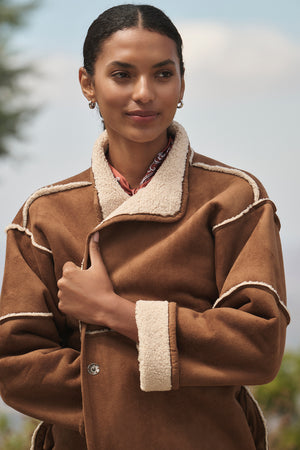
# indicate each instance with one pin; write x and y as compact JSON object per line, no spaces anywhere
{"x":88,"y":295}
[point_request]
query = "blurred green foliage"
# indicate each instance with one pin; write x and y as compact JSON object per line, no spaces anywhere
{"x":280,"y":402}
{"x":14,"y":107}
{"x":10,"y":439}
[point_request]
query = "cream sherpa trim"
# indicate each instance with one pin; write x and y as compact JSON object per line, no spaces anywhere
{"x":152,"y":318}
{"x":253,"y":284}
{"x":40,"y":193}
{"x":162,"y":196}
{"x":15,"y":226}
{"x":34,"y":436}
{"x":232,"y":171}
{"x":103,"y":330}
{"x":110,"y":193}
{"x":191,"y":157}
{"x":261,"y":415}
{"x":25,"y":314}
{"x":50,"y":190}
{"x":241,"y":214}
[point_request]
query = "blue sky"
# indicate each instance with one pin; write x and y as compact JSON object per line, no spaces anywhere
{"x":241,"y":104}
{"x":64,"y":23}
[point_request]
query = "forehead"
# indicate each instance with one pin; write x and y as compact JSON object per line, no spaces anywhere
{"x":138,"y":44}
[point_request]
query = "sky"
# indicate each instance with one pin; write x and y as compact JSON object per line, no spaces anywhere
{"x":241,"y":104}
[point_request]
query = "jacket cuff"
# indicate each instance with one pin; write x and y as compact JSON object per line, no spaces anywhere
{"x":152,"y":319}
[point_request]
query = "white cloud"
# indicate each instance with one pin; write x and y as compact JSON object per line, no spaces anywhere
{"x":221,"y":61}
{"x":57,"y":80}
{"x":231,"y":60}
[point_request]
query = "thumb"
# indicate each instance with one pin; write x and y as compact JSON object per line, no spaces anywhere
{"x":95,"y":256}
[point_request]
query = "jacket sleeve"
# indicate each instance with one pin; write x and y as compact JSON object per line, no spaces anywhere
{"x":240,"y":339}
{"x":38,"y":376}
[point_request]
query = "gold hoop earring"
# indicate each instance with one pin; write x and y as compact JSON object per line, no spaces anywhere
{"x":180,"y":104}
{"x":92,"y":104}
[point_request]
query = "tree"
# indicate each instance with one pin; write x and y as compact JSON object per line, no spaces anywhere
{"x":280,"y":402}
{"x":13,"y":112}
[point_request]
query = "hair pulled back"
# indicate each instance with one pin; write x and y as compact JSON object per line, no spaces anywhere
{"x":127,"y":16}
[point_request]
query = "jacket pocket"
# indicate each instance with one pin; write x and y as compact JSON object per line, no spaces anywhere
{"x":254,"y":418}
{"x":42,"y":437}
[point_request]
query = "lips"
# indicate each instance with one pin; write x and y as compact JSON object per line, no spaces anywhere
{"x":141,"y":113}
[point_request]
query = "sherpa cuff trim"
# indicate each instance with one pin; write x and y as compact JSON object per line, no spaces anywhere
{"x":152,"y":318}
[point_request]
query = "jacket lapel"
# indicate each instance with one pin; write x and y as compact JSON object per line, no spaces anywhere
{"x":161,"y":197}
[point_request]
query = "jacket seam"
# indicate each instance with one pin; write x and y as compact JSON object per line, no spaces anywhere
{"x":25,"y":315}
{"x":242,"y":213}
{"x":53,"y":189}
{"x":15,"y":226}
{"x":253,"y":284}
{"x":231,"y":171}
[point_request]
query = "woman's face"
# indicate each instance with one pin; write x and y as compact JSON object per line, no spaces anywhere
{"x":137,"y":84}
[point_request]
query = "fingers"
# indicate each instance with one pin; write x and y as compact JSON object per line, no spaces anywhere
{"x":95,"y":256}
{"x":69,"y":267}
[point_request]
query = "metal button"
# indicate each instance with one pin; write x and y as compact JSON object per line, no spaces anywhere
{"x":93,"y":369}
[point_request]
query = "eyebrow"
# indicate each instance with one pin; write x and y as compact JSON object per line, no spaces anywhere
{"x":131,"y":66}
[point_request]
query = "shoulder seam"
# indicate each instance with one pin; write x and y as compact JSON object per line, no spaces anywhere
{"x":231,"y":171}
{"x":15,"y":226}
{"x":53,"y":189}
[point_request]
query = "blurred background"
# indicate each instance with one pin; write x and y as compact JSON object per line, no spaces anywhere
{"x":241,"y":107}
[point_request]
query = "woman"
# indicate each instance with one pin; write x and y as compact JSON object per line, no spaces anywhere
{"x":141,"y":295}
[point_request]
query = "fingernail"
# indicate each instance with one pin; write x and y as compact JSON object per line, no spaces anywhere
{"x":96,"y":237}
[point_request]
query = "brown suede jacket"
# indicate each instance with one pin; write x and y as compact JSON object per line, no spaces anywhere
{"x":198,"y":250}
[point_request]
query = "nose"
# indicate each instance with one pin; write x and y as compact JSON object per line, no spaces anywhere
{"x":143,"y":90}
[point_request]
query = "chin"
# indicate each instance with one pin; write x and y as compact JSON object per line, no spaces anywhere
{"x":147,"y":133}
{"x":143,"y":138}
{"x":141,"y":133}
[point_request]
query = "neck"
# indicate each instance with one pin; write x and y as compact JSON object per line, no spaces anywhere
{"x":132,"y":159}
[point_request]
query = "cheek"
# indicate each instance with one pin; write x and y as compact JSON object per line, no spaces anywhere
{"x":111,"y":97}
{"x":170,"y":94}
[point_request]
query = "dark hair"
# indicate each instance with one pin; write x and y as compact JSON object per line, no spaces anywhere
{"x":127,"y":16}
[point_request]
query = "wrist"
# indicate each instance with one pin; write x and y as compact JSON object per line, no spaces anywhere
{"x":122,"y":317}
{"x":105,"y":316}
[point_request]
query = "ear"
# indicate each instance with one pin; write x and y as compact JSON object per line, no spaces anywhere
{"x":86,"y":83}
{"x":182,"y":89}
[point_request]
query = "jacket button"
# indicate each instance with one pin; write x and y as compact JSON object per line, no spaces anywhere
{"x":93,"y":369}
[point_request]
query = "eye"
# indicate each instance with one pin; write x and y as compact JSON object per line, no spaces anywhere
{"x":120,"y":75}
{"x":164,"y":74}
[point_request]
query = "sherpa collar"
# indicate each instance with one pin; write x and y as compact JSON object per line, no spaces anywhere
{"x":162,"y":196}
